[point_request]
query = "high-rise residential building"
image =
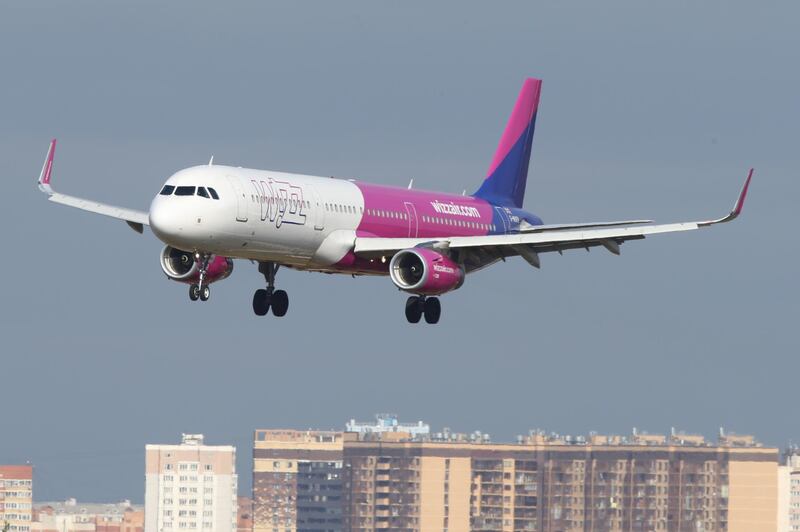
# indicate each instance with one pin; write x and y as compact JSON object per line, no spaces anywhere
{"x":297,"y":481}
{"x":16,"y":497}
{"x":190,"y":487}
{"x":74,"y":516}
{"x":550,"y":484}
{"x":789,"y":492}
{"x":546,"y":483}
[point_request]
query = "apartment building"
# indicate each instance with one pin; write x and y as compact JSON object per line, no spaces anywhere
{"x":297,"y":481}
{"x":394,"y":480}
{"x":550,"y":483}
{"x":789,"y":492}
{"x":190,"y":487}
{"x":16,"y":497}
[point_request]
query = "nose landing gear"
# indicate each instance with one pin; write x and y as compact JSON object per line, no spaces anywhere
{"x":417,"y":306}
{"x":269,"y":298}
{"x":201,"y":290}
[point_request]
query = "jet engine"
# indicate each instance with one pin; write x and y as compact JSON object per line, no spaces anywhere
{"x":425,"y":271}
{"x":181,"y":266}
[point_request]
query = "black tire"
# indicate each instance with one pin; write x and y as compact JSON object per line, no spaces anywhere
{"x":413,"y":309}
{"x":280,"y":303}
{"x":194,"y":292}
{"x":205,"y":293}
{"x":433,"y":310}
{"x":260,"y":302}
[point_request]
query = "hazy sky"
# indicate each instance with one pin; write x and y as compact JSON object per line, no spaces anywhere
{"x":651,"y":110}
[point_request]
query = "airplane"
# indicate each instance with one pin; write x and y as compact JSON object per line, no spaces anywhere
{"x":426,"y":242}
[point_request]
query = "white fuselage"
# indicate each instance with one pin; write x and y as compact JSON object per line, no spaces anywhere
{"x":260,"y":215}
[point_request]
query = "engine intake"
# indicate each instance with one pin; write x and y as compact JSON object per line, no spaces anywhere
{"x":181,"y":266}
{"x":424,"y":271}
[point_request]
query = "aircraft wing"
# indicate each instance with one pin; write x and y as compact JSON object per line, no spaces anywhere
{"x":135,"y":219}
{"x":481,"y":250}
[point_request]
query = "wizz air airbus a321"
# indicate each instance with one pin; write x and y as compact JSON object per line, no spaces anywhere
{"x":426,"y":242}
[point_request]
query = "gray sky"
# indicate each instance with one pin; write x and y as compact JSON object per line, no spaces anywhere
{"x":647,"y":110}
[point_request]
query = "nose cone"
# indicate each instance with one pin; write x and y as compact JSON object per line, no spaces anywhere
{"x":167,"y":222}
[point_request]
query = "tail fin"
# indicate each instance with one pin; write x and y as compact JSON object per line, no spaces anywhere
{"x":508,"y":173}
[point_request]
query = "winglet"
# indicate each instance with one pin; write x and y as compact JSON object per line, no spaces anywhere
{"x":737,"y":207}
{"x":47,"y":169}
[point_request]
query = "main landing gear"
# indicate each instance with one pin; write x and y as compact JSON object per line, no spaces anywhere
{"x":417,"y":306}
{"x":269,"y":298}
{"x":201,"y":290}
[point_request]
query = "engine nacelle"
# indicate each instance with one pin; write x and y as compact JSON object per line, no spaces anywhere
{"x":424,"y":271}
{"x":181,"y":266}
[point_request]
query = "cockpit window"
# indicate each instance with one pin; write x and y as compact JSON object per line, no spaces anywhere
{"x":184,"y":191}
{"x":201,"y":191}
{"x":213,"y":193}
{"x":167,"y":190}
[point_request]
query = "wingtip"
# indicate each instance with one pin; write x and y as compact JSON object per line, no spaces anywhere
{"x":47,"y":168}
{"x":737,"y":208}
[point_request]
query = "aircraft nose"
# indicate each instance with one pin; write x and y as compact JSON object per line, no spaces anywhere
{"x":165,"y":222}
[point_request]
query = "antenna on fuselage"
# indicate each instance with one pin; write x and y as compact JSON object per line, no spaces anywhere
{"x":211,"y":161}
{"x":411,"y":183}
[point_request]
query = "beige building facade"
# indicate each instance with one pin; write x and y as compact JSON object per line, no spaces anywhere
{"x":552,"y":486}
{"x":16,"y":497}
{"x":297,"y":480}
{"x":190,"y":487}
{"x":396,"y":481}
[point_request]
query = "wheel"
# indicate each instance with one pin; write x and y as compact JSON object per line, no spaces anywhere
{"x":280,"y":303}
{"x":260,"y":302}
{"x":413,"y":309}
{"x":205,"y":293}
{"x":194,"y":292}
{"x":433,"y":309}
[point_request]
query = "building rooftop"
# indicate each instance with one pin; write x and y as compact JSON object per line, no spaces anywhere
{"x":16,"y":471}
{"x":541,"y":437}
{"x":190,"y":441}
{"x":73,"y":507}
{"x":387,"y":428}
{"x":387,"y":423}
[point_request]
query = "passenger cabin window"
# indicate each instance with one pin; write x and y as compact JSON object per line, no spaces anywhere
{"x":201,"y":191}
{"x":184,"y":191}
{"x":167,"y":190}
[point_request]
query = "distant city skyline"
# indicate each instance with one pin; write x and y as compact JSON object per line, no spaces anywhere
{"x":391,"y":473}
{"x":385,"y":424}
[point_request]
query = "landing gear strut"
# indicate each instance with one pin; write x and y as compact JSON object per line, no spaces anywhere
{"x":418,"y":306}
{"x":201,"y":290}
{"x":269,"y":298}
